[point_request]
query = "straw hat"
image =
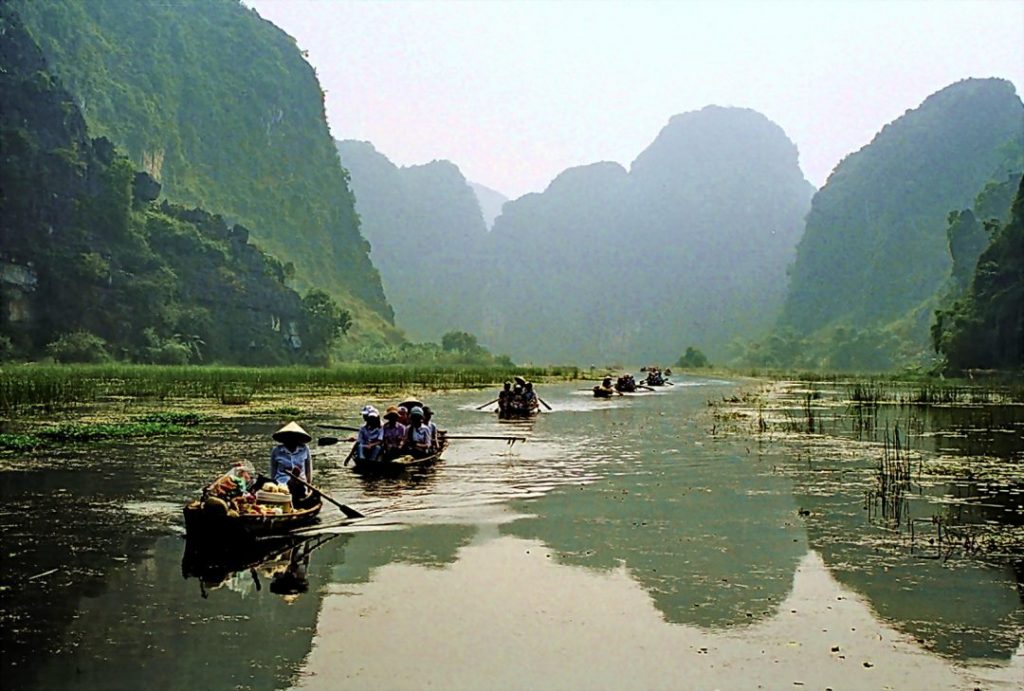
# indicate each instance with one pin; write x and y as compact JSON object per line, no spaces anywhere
{"x":520,"y":380}
{"x":292,"y":428}
{"x":392,"y":410}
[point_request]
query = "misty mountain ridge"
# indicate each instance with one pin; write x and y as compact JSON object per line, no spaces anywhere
{"x":491,"y":202}
{"x":688,"y":246}
{"x":425,"y":227}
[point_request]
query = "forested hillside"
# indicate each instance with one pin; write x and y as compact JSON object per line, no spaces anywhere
{"x":985,"y":328}
{"x":92,"y":267}
{"x":875,"y":256}
{"x":220,"y":107}
{"x":426,"y":232}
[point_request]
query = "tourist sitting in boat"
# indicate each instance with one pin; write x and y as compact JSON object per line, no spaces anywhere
{"x":370,"y":440}
{"x":529,"y":397}
{"x":393,"y":433}
{"x":290,"y":459}
{"x":505,"y":397}
{"x":428,"y":415}
{"x":418,"y":439}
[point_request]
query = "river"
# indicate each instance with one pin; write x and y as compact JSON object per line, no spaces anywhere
{"x":627,"y":544}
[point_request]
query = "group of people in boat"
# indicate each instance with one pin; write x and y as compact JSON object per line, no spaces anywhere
{"x":655,"y":377}
{"x":519,"y":400}
{"x":405,"y":430}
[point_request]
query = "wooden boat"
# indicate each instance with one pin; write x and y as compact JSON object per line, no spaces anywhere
{"x":398,"y":465}
{"x":210,"y":521}
{"x":603,"y":392}
{"x":518,"y":412}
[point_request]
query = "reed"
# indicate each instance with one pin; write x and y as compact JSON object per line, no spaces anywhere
{"x":60,"y":386}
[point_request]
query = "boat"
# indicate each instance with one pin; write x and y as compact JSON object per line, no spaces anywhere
{"x":656,"y":378}
{"x":603,"y":391}
{"x":625,"y":384}
{"x":210,"y":520}
{"x":519,"y":410}
{"x":399,"y":464}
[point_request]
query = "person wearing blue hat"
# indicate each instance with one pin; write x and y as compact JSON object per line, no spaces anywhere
{"x":418,"y":437}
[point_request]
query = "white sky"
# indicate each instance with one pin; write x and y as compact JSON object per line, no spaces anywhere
{"x":516,"y":92}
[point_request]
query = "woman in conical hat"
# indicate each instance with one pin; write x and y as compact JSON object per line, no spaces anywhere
{"x":291,"y":455}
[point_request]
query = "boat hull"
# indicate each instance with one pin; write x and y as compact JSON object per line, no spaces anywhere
{"x":203,"y":524}
{"x":397,"y":466}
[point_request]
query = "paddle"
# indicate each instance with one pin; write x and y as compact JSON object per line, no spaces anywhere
{"x":344,"y":427}
{"x":484,"y":436}
{"x":481,"y":407}
{"x":350,"y":454}
{"x":545,"y":403}
{"x":347,"y":510}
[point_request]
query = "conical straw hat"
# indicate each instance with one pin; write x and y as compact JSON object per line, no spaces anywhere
{"x":292,"y":428}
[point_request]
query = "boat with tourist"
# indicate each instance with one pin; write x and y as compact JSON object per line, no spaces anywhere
{"x":399,"y":464}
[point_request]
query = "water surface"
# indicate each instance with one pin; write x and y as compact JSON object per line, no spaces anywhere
{"x":628,"y":542}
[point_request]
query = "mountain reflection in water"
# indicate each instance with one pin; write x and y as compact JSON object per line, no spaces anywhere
{"x":622,"y":544}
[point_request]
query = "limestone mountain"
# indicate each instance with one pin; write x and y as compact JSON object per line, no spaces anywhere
{"x":220,"y":107}
{"x":688,"y":247}
{"x":875,"y":253}
{"x":93,"y":266}
{"x":426,"y":230}
{"x":490,"y":200}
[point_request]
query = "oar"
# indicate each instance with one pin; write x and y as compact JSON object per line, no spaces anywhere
{"x":344,"y":427}
{"x":481,"y":407}
{"x":545,"y":403}
{"x":351,"y":454}
{"x":347,"y":510}
{"x":484,"y":436}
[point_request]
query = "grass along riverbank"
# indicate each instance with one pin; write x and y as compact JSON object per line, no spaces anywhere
{"x":53,"y":387}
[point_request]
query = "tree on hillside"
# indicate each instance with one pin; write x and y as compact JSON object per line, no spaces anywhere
{"x":693,"y":359}
{"x":326,"y":322}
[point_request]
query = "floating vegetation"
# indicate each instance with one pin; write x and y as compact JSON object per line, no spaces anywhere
{"x":20,"y":442}
{"x":76,"y":432}
{"x":175,"y":417}
{"x":938,"y":464}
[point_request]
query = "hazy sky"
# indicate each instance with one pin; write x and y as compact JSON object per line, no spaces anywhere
{"x":516,"y":92}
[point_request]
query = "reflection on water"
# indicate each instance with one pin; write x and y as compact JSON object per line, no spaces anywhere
{"x":621,"y":530}
{"x":506,"y":615}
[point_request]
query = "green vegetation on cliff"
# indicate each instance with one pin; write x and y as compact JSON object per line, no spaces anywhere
{"x":220,"y":107}
{"x":92,"y":267}
{"x":874,"y":257}
{"x":985,"y":329}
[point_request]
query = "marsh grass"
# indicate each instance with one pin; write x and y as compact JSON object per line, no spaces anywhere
{"x":52,"y":387}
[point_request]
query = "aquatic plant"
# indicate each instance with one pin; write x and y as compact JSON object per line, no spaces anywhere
{"x":61,"y":386}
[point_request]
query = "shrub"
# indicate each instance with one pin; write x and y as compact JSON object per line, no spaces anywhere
{"x":78,"y":346}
